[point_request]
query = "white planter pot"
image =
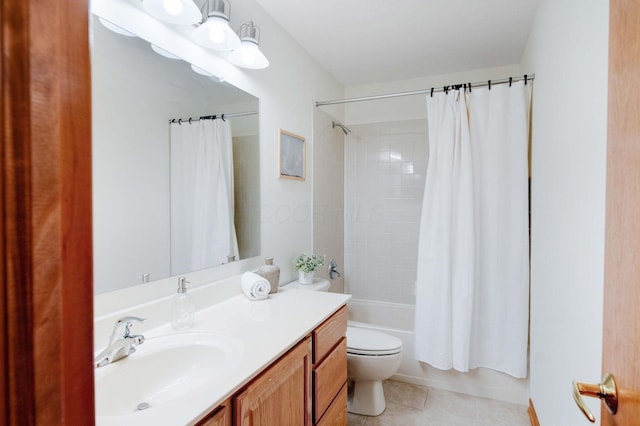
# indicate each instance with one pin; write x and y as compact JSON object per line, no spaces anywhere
{"x":305,"y":277}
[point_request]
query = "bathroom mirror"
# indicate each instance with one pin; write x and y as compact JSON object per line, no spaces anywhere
{"x":138,"y":203}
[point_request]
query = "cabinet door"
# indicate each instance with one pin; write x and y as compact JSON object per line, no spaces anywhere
{"x":281,"y":395}
{"x":221,"y":416}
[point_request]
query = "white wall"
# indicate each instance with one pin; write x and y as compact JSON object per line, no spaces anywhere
{"x":286,"y":90}
{"x":567,"y":49}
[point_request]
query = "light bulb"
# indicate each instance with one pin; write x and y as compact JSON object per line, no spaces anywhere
{"x":248,"y":55}
{"x":180,"y":12}
{"x":173,"y":7}
{"x":216,"y":33}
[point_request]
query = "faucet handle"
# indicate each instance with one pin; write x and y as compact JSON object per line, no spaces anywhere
{"x":333,"y":269}
{"x":122,"y":327}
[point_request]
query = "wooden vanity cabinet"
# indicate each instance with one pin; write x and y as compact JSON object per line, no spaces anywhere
{"x":281,"y":395}
{"x":304,"y":387}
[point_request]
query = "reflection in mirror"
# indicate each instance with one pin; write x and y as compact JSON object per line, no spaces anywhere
{"x":170,"y":196}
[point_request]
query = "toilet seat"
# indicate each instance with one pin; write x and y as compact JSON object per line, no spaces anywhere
{"x":365,"y":342}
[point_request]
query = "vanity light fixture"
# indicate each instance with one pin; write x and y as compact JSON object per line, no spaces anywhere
{"x":215,"y":32}
{"x":181,"y":12}
{"x":206,"y":73}
{"x":201,"y":71}
{"x":160,"y":51}
{"x":116,"y":29}
{"x":248,"y":54}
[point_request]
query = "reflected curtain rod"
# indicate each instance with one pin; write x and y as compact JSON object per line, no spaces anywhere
{"x":213,"y":117}
{"x":526,"y":78}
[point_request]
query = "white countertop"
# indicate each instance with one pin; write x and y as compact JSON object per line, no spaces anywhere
{"x":265,"y":330}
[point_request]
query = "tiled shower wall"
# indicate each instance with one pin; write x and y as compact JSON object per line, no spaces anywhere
{"x":385,"y":168}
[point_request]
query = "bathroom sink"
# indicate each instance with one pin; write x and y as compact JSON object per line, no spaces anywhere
{"x":162,"y":371}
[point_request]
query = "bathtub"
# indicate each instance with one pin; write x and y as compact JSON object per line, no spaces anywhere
{"x":397,"y":320}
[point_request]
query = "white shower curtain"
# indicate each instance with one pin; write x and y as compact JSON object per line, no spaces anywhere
{"x":472,"y":294}
{"x":202,"y":207}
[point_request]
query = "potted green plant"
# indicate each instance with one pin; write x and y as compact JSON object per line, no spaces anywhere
{"x":306,"y":265}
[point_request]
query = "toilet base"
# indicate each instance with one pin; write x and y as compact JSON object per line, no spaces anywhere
{"x":368,"y":398}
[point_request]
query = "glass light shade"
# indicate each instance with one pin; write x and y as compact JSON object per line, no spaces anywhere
{"x":116,"y":29}
{"x":200,"y":71}
{"x":248,"y":55}
{"x":160,"y":51}
{"x":181,"y":12}
{"x":216,"y":34}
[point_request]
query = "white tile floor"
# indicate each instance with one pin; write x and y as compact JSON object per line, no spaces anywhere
{"x":410,"y":405}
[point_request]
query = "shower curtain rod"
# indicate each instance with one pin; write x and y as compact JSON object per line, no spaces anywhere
{"x":213,"y":117}
{"x":489,"y":83}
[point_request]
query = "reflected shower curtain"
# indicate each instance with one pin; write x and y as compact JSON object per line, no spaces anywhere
{"x":202,"y":207}
{"x":472,"y":295}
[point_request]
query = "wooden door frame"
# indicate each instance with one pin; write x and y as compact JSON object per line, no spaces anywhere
{"x":46,"y":297}
{"x":621,"y":350}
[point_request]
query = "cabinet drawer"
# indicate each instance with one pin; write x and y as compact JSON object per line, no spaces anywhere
{"x":327,"y":334}
{"x":328,"y":379}
{"x":336,"y":414}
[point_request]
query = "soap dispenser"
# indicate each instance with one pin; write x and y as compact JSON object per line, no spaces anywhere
{"x":183,"y":308}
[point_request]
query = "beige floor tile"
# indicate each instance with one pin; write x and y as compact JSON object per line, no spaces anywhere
{"x":355,"y":420}
{"x":406,"y":406}
{"x":413,"y":396}
{"x":498,"y":413}
{"x":441,"y":402}
{"x":445,"y":419}
{"x":397,"y":415}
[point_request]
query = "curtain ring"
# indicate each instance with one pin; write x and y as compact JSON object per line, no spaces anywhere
{"x":469,"y":87}
{"x":525,"y":79}
{"x":180,"y":121}
{"x":432,"y":92}
{"x":190,"y":120}
{"x":489,"y":84}
{"x":510,"y":80}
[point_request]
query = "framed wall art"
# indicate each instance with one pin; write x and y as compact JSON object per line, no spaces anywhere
{"x":291,"y":156}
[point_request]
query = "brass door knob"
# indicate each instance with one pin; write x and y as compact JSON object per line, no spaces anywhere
{"x":607,"y":391}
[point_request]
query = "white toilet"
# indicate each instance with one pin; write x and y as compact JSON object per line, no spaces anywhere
{"x":371,"y":358}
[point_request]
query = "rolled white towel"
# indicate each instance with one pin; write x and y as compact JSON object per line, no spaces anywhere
{"x":254,"y":286}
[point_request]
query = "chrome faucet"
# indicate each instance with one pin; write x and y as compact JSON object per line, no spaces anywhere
{"x":121,"y":343}
{"x":333,"y":269}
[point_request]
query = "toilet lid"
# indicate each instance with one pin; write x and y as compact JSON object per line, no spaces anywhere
{"x":319,"y":284}
{"x":361,"y":341}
